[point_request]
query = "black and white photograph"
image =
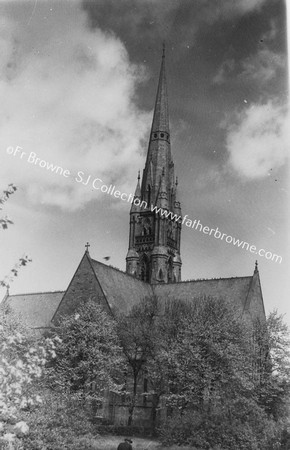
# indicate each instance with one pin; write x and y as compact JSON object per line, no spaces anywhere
{"x":144,"y":270}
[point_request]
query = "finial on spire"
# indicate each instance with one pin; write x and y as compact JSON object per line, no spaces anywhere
{"x":138,"y":178}
{"x":87,"y":246}
{"x":176,"y":181}
{"x":256,"y":267}
{"x":163,"y":49}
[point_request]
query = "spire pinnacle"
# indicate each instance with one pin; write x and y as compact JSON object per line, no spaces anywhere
{"x":161,"y":118}
{"x":256,"y":267}
{"x":138,"y":188}
{"x":87,"y":247}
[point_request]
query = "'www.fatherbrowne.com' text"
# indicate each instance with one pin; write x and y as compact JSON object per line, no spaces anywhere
{"x":96,"y":183}
{"x":216,"y":233}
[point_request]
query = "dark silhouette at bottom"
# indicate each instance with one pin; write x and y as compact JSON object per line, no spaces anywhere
{"x":126,"y":445}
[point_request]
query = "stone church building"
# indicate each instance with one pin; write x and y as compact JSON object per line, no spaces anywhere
{"x":153,"y":261}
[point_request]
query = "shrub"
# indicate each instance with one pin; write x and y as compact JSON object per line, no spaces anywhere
{"x":22,"y":359}
{"x":216,"y":431}
{"x":63,"y":421}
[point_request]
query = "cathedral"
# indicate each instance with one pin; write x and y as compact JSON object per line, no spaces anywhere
{"x":153,"y":260}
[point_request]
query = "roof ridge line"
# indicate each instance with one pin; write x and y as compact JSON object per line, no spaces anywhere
{"x":203,"y":279}
{"x":37,"y":293}
{"x":121,"y":271}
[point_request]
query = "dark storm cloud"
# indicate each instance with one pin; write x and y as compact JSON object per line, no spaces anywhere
{"x":183,"y":17}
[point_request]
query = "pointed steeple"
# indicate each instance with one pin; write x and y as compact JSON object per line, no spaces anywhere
{"x":136,"y":205}
{"x":161,"y":116}
{"x":138,"y":187}
{"x":154,"y":239}
{"x":159,"y":151}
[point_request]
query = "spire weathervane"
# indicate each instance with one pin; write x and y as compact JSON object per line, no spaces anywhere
{"x":256,"y":267}
{"x":87,"y":246}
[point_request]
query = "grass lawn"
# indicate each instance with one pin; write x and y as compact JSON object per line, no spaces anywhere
{"x":111,"y":443}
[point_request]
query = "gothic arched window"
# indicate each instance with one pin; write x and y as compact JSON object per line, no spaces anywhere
{"x":144,"y":269}
{"x":170,"y":271}
{"x":170,"y":230}
{"x":147,"y":229}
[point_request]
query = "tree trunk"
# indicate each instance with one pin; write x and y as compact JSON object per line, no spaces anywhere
{"x":155,"y":403}
{"x":133,"y":402}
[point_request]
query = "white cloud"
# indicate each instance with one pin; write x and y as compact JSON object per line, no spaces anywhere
{"x":69,"y":98}
{"x":227,"y":9}
{"x":262,"y":66}
{"x":244,"y":6}
{"x":271,"y":34}
{"x":259,"y":140}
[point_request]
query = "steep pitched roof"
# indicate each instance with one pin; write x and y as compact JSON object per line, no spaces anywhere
{"x":121,"y":290}
{"x":35,"y":310}
{"x":230,"y":289}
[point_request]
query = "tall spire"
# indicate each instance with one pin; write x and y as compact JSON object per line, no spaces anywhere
{"x":159,"y":151}
{"x":161,"y":117}
{"x":154,"y":240}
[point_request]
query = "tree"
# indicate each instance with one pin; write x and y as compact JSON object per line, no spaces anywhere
{"x":21,"y":366}
{"x":4,"y":222}
{"x":137,"y":335}
{"x":88,"y":355}
{"x":274,"y":366}
{"x":212,"y":385}
{"x":210,"y":355}
{"x":159,"y":369}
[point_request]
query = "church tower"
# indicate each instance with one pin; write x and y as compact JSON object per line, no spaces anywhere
{"x":154,"y":239}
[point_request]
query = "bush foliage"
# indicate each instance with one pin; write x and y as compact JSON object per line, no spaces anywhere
{"x":225,"y":381}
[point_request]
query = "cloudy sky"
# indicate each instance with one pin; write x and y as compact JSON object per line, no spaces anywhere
{"x":77,"y":87}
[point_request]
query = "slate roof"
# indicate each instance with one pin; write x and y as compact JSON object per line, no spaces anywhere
{"x":35,"y":310}
{"x":122,"y":291}
{"x":230,"y":289}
